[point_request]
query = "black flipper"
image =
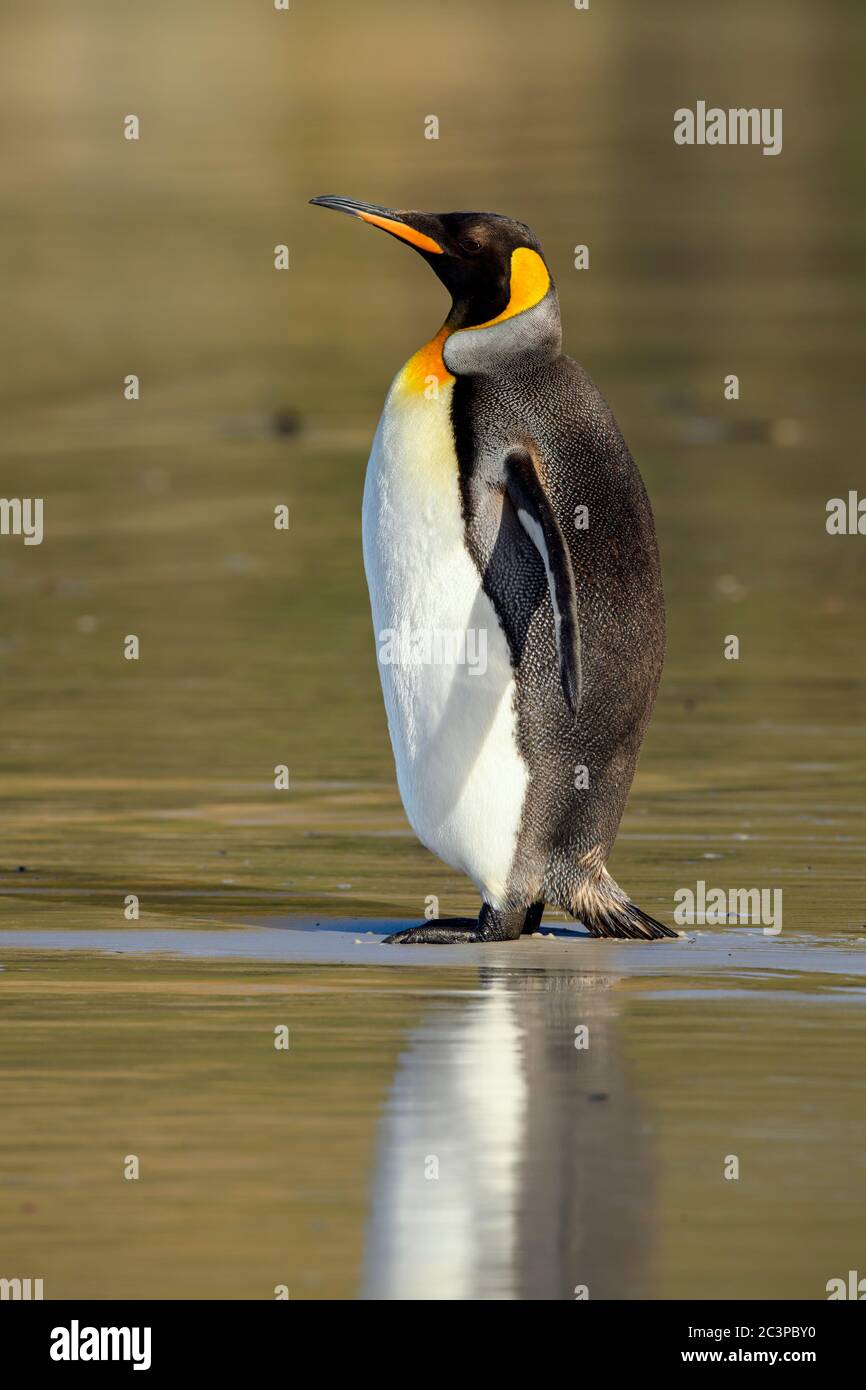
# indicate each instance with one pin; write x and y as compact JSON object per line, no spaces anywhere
{"x":538,"y":520}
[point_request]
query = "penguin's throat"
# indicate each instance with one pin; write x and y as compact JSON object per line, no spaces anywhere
{"x":491,"y":348}
{"x":528,"y":323}
{"x":502,"y":346}
{"x":425,"y":371}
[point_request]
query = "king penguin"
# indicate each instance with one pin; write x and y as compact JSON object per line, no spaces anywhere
{"x":516,"y":591}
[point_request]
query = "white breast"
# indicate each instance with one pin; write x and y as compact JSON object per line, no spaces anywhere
{"x":443,"y":658}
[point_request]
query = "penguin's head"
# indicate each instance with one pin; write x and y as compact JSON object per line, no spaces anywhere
{"x":492,"y":266}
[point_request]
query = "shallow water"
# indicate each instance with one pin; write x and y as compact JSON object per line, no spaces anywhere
{"x":155,"y":778}
{"x":432,"y":1130}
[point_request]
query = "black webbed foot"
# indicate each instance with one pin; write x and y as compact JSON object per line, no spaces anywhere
{"x":492,"y":925}
{"x":460,"y":929}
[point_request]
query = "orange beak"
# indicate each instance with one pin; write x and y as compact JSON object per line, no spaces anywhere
{"x":386,"y":218}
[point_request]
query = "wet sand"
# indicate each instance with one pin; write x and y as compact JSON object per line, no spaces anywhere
{"x":737,"y":953}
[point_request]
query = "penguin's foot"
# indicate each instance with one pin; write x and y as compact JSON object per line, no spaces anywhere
{"x":532,"y":920}
{"x":492,"y":925}
{"x":436,"y":933}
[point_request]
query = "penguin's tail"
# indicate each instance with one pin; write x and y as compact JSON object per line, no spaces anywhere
{"x":625,"y":920}
{"x":605,"y":910}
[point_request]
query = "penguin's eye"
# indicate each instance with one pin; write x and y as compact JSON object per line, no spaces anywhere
{"x":470,"y":245}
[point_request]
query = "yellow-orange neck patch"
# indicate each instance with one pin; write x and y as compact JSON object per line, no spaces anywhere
{"x":426,"y":363}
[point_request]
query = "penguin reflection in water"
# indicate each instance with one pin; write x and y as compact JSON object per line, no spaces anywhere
{"x":501,"y":501}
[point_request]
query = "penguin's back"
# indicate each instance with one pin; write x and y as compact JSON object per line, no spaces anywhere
{"x":554,"y":409}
